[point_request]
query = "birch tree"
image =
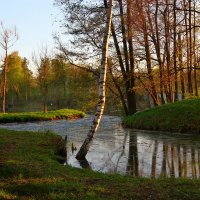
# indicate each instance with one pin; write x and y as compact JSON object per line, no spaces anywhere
{"x":102,"y":79}
{"x":153,"y":46}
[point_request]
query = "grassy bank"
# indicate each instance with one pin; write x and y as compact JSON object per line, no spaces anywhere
{"x":30,"y":169}
{"x":40,"y":116}
{"x":182,"y":116}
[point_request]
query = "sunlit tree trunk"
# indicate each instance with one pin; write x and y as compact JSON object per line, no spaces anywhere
{"x":188,"y":32}
{"x":194,"y":50}
{"x":148,"y":54}
{"x":175,"y":54}
{"x":101,"y":102}
{"x":180,"y":59}
{"x":149,"y":69}
{"x":167,"y":48}
{"x":190,"y":48}
{"x":156,"y":41}
{"x":159,"y":53}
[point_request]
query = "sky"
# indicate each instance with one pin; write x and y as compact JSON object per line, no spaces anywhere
{"x":35,"y":21}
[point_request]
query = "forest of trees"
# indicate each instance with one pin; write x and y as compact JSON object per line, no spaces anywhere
{"x":154,"y":49}
{"x":56,"y":84}
{"x":153,"y":58}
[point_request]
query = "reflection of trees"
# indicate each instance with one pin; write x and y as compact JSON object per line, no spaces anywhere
{"x":164,"y":160}
{"x":193,"y":163}
{"x":176,"y":160}
{"x":198,"y":160}
{"x":172,"y":170}
{"x":133,"y":163}
{"x":185,"y":161}
{"x":122,"y":153}
{"x":154,"y":156}
{"x":179,"y":161}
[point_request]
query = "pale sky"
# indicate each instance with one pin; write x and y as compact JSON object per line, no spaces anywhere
{"x":35,"y":21}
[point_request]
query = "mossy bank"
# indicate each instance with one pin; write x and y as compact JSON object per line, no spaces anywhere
{"x":182,"y":116}
{"x":41,"y":116}
{"x":31,"y":168}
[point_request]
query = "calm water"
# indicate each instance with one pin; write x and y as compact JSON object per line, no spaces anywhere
{"x":125,"y":151}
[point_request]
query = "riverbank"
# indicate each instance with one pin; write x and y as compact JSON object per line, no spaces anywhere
{"x":41,"y":116}
{"x":30,"y":168}
{"x":182,"y":116}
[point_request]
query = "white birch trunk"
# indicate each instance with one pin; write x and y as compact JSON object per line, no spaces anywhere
{"x":101,"y":102}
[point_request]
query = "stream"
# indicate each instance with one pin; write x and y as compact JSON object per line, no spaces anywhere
{"x":125,"y":151}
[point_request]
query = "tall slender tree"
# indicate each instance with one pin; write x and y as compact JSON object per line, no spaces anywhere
{"x":8,"y":37}
{"x":101,"y":102}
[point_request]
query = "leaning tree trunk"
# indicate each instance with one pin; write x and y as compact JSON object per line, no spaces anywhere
{"x":101,"y":102}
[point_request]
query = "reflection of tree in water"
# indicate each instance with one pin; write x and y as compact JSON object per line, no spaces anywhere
{"x":172,"y":168}
{"x":185,"y":161}
{"x":198,"y":160}
{"x":193,"y":163}
{"x":133,"y":163}
{"x":167,"y":159}
{"x":122,"y":153}
{"x":179,"y":161}
{"x":154,"y":156}
{"x":164,"y":160}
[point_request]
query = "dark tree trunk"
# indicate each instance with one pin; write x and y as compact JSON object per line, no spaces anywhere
{"x":133,"y":163}
{"x":129,"y":108}
{"x":175,"y":54}
{"x":129,"y":70}
{"x":131,"y":94}
{"x":154,"y":158}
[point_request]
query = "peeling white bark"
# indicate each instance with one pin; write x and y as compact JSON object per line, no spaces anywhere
{"x":102,"y":80}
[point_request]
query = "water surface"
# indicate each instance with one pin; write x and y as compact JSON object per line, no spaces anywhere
{"x":125,"y":151}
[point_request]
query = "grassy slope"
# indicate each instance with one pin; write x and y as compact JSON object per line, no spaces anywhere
{"x":182,"y":116}
{"x":40,"y":116}
{"x":29,"y":169}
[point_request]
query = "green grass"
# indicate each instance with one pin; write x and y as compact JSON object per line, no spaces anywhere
{"x":40,"y":116}
{"x":30,"y":168}
{"x":182,"y":116}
